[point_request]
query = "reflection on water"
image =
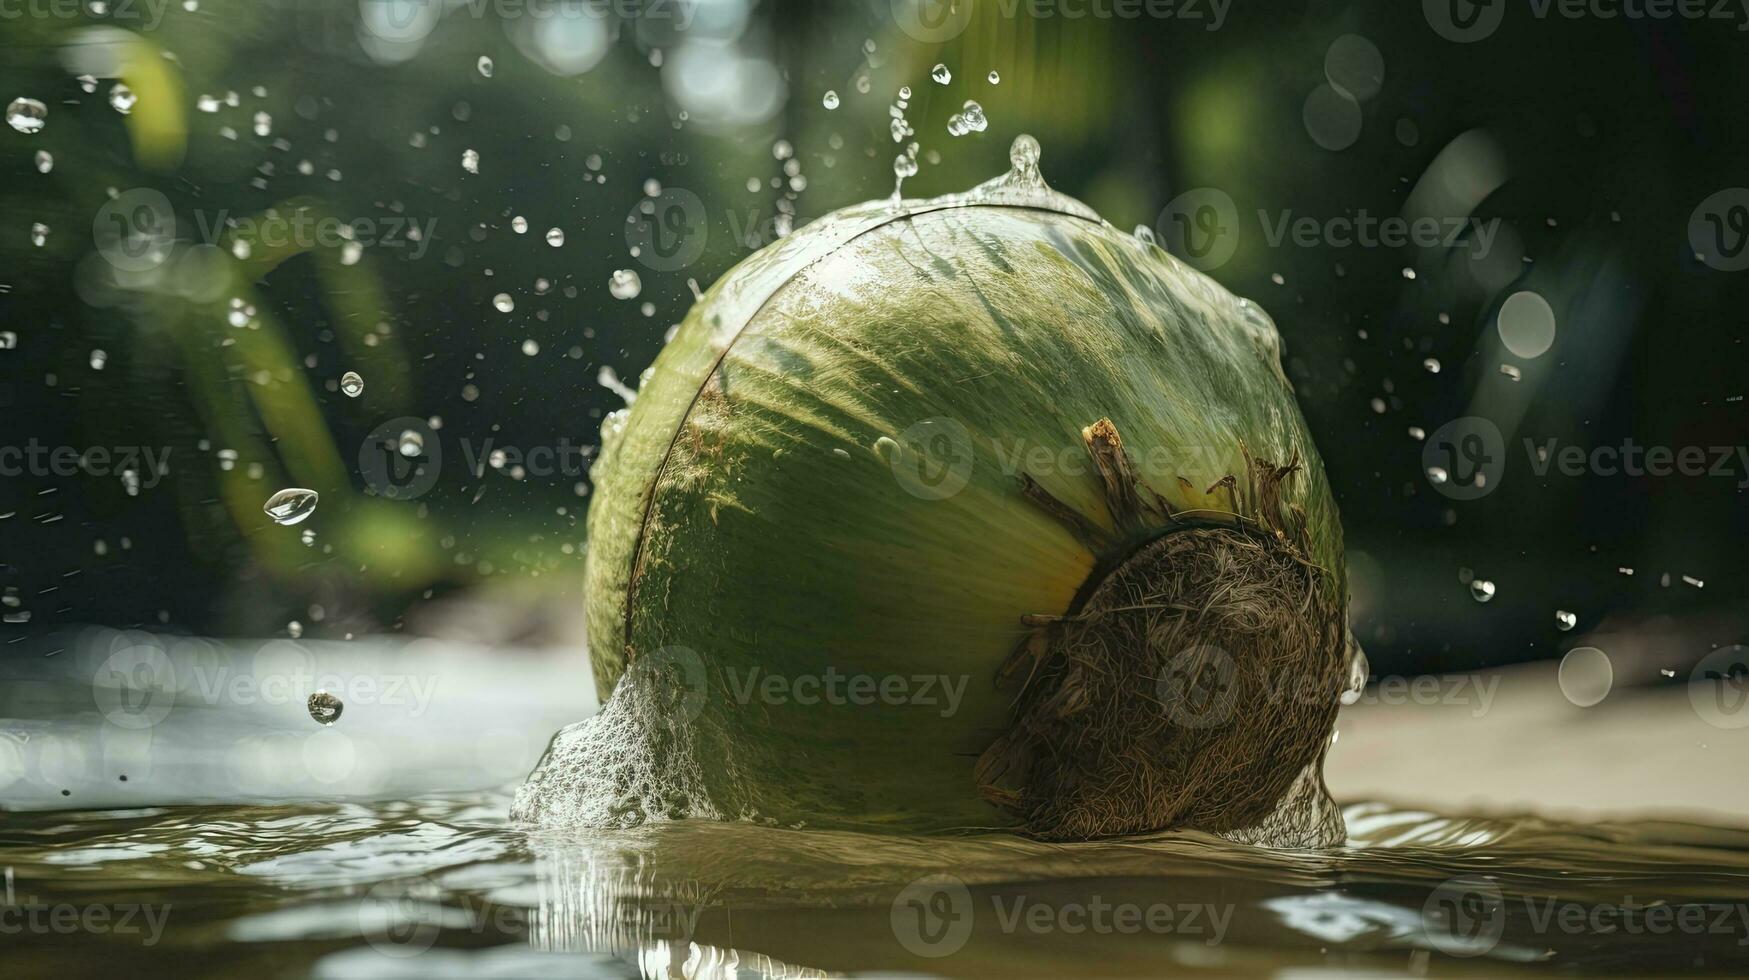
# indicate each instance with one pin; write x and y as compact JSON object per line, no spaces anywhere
{"x":444,"y":886}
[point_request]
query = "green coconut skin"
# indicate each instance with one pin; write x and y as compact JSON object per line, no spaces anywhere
{"x":751,"y":507}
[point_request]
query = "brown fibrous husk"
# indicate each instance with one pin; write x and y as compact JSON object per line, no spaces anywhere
{"x":1195,"y":684}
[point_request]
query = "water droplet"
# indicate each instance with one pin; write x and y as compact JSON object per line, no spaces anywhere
{"x":1586,"y":676}
{"x":503,"y":303}
{"x":1431,"y":364}
{"x":1417,"y":433}
{"x":555,"y":237}
{"x":1565,"y":620}
{"x":325,"y":708}
{"x":969,"y":120}
{"x":1511,"y":371}
{"x":995,"y":79}
{"x":294,"y":629}
{"x":411,"y":443}
{"x":263,"y":124}
{"x":99,"y":357}
{"x":1358,"y":669}
{"x":1481,"y":590}
{"x":39,"y":234}
{"x":624,"y":284}
{"x":291,"y":505}
{"x":941,"y":75}
{"x":27,"y":115}
{"x":352,"y":384}
{"x":471,"y":161}
{"x":88,"y":83}
{"x":1526,"y":324}
{"x":830,"y":99}
{"x":122,"y":98}
{"x":519,"y":224}
{"x":8,"y":340}
{"x":45,"y":161}
{"x":1437,"y":474}
{"x":485,"y":66}
{"x":1145,"y":234}
{"x":206,"y":103}
{"x":531,"y":347}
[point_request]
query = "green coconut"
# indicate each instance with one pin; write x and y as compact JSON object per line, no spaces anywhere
{"x":962,"y":513}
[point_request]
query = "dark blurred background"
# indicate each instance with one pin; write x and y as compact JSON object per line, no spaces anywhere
{"x":145,"y":300}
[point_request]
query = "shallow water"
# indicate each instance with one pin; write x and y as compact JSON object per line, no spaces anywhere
{"x":444,"y":886}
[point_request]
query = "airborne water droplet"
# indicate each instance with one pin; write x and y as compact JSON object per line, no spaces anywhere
{"x":1437,"y":474}
{"x":325,"y":708}
{"x":519,"y":224}
{"x":1565,"y":620}
{"x":995,"y":79}
{"x":830,"y":99}
{"x":471,"y":161}
{"x":352,"y":384}
{"x":291,"y":505}
{"x":485,"y":66}
{"x":941,"y":74}
{"x":969,"y":120}
{"x":122,"y":98}
{"x":39,"y":234}
{"x":503,"y":303}
{"x":555,"y":237}
{"x":624,"y":284}
{"x":45,"y":161}
{"x":1481,"y":590}
{"x":411,"y":443}
{"x":27,"y":115}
